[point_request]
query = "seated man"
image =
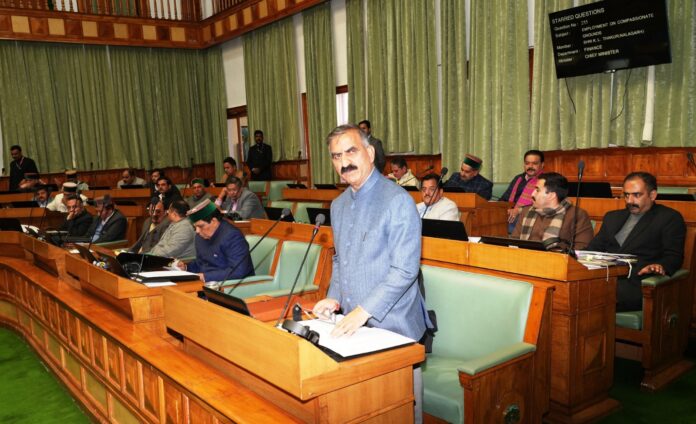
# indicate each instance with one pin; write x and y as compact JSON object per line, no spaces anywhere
{"x":222,"y":252}
{"x":41,"y":196}
{"x":469,"y":179}
{"x":167,"y":192}
{"x":30,"y":181}
{"x":155,"y":176}
{"x":520,"y":189}
{"x":236,"y":199}
{"x":78,"y":220}
{"x":652,"y":232}
{"x":128,"y":177}
{"x":552,"y":218}
{"x":109,"y":224}
{"x":401,"y":174}
{"x":153,"y":228}
{"x":438,"y":207}
{"x":71,"y":176}
{"x":198,"y":186}
{"x":229,"y":165}
{"x":59,"y":202}
{"x":178,"y":239}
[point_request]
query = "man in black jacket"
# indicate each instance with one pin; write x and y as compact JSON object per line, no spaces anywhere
{"x":652,"y":232}
{"x":78,"y":220}
{"x":260,"y":159}
{"x":109,"y":224}
{"x":20,"y":166}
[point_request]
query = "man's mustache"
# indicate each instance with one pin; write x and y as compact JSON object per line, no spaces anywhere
{"x":632,"y":206}
{"x":348,"y":168}
{"x":530,"y":169}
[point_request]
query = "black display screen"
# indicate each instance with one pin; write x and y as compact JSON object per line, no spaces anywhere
{"x":609,"y":35}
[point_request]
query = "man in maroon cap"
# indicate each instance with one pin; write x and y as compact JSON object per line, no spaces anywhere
{"x":469,"y":179}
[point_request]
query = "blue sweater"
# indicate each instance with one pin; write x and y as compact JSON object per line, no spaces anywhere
{"x":219,"y":255}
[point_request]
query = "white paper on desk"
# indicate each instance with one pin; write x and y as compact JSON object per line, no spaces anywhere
{"x":163,"y":274}
{"x":364,"y":340}
{"x":474,"y":239}
{"x":160,"y":284}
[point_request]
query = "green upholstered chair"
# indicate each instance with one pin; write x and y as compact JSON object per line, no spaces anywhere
{"x":263,"y":254}
{"x":260,"y":188}
{"x":275,"y":190}
{"x":672,"y":190}
{"x":658,"y":334}
{"x":300,"y":213}
{"x":278,"y":284}
{"x":283,"y":204}
{"x":482,"y":321}
{"x":498,"y":190}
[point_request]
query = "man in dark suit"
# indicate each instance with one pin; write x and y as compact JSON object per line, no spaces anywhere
{"x":380,"y":157}
{"x":652,"y":232}
{"x":260,"y":159}
{"x":78,"y":220}
{"x":109,"y":224}
{"x":19,"y":166}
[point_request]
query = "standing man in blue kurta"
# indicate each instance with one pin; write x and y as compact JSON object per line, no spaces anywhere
{"x":371,"y":282}
{"x":222,"y":252}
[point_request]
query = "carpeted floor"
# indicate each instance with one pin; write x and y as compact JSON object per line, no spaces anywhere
{"x":29,"y":393}
{"x":674,"y":405}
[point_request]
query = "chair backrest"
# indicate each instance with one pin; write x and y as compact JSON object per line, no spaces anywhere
{"x":476,"y":314}
{"x":301,"y":214}
{"x":291,"y":254}
{"x":282,"y":204}
{"x":262,"y":256}
{"x":672,"y":190}
{"x":260,"y":188}
{"x":498,"y":190}
{"x":275,"y":191}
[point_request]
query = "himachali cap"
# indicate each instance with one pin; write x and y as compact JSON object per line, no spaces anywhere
{"x":201,"y":211}
{"x":472,"y":161}
{"x":71,"y":174}
{"x":70,"y":187}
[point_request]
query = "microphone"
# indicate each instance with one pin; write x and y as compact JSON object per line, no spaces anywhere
{"x":581,"y":170}
{"x":283,"y":214}
{"x":318,"y":222}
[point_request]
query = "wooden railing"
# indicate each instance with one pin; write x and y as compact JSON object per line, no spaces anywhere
{"x":173,"y":10}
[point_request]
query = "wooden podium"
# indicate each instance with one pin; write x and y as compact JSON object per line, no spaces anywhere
{"x":582,"y":319}
{"x":291,"y":372}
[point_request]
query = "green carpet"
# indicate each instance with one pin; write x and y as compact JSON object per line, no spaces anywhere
{"x":29,"y":393}
{"x":675,"y":405}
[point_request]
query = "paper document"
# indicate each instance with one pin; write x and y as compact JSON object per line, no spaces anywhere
{"x":365,"y":340}
{"x":160,"y":284}
{"x":164,"y":274}
{"x":596,"y":260}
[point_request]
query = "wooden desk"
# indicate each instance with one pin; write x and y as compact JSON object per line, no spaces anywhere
{"x":293,"y":373}
{"x":16,"y":197}
{"x":597,"y":208}
{"x":38,"y":217}
{"x":141,"y":196}
{"x":119,"y":370}
{"x":582,"y":321}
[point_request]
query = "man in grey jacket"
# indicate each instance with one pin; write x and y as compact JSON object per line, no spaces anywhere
{"x":178,"y":239}
{"x":238,"y":202}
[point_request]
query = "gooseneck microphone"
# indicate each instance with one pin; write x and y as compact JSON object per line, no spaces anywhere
{"x":581,"y":170}
{"x":318,"y":222}
{"x":283,"y":214}
{"x":443,"y":172}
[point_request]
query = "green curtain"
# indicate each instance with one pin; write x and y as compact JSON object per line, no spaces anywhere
{"x":675,"y":83}
{"x":355,"y":28}
{"x":271,"y":87}
{"x":112,"y":107}
{"x":454,"y":84}
{"x":402,"y":75}
{"x":321,"y":89}
{"x":497,"y":119}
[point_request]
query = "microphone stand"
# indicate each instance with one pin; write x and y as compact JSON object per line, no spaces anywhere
{"x":320,"y":220}
{"x":571,"y":250}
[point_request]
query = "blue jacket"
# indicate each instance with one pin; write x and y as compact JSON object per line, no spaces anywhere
{"x":218,"y":256}
{"x":377,"y":235}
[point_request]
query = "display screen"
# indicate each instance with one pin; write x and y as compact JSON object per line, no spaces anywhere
{"x":609,"y":35}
